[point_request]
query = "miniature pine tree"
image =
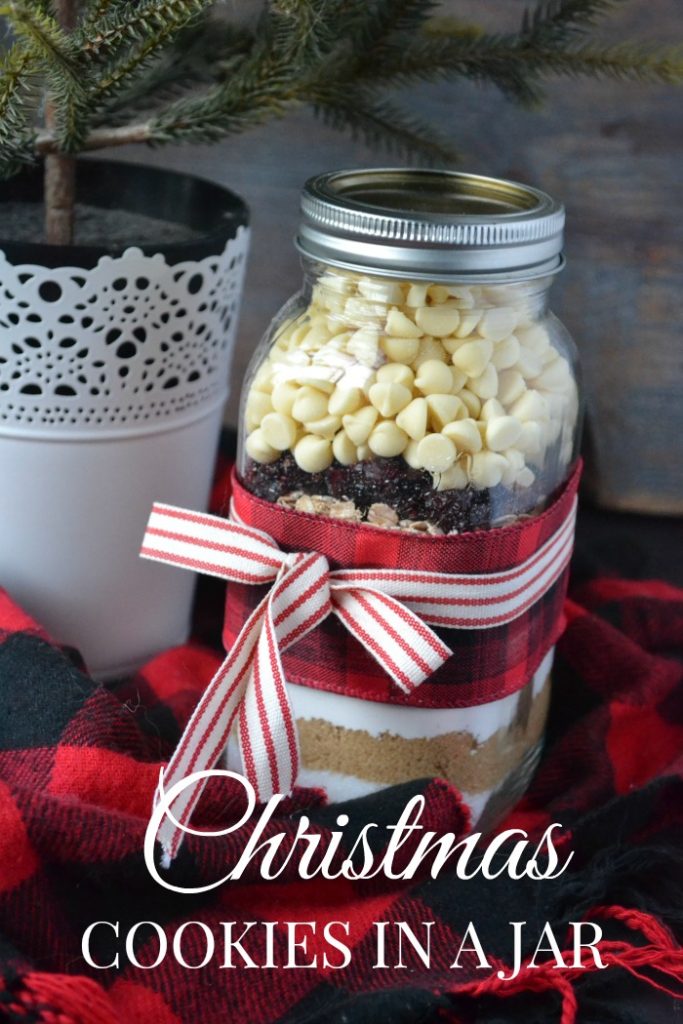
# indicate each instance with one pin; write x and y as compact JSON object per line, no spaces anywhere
{"x":83,"y":75}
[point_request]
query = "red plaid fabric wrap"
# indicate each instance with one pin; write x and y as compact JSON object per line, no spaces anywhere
{"x":486,"y":664}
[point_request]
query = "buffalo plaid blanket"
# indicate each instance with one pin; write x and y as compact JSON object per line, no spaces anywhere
{"x":79,"y":764}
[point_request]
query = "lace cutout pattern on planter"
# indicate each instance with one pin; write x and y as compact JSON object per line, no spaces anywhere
{"x":130,"y":342}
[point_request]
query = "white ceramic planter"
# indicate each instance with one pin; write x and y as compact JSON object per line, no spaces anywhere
{"x":113,"y":379}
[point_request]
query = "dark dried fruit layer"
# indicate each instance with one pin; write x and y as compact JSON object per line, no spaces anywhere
{"x":410,"y":492}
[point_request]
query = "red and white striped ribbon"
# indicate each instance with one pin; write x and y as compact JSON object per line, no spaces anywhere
{"x":389,"y":611}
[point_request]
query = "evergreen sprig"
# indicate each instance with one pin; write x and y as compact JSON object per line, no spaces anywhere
{"x":165,"y":71}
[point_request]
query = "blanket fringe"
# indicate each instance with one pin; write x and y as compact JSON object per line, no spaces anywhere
{"x":59,"y":999}
{"x":661,"y":956}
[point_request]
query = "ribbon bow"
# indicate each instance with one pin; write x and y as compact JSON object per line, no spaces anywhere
{"x":386,"y":610}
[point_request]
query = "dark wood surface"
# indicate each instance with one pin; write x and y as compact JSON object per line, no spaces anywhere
{"x":612,"y":152}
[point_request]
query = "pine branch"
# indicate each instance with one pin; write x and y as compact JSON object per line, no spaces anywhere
{"x":102,"y":35}
{"x":300,"y":32}
{"x":43,"y":36}
{"x":201,"y":54}
{"x":53,"y":53}
{"x":556,"y":22}
{"x":379,"y":123}
{"x":624,"y":62}
{"x":474,"y":56}
{"x":255,"y":92}
{"x":17,"y":104}
{"x":513,"y":64}
{"x":383,"y":17}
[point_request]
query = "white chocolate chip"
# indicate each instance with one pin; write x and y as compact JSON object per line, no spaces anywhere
{"x":296,"y":334}
{"x":316,"y":337}
{"x":294,"y":358}
{"x":400,"y":350}
{"x":332,"y":356}
{"x":472,"y":402}
{"x":387,"y":439}
{"x":259,"y":404}
{"x":497,"y":323}
{"x":452,"y":345}
{"x":343,"y":284}
{"x":359,"y":310}
{"x":263,"y":381}
{"x":462,"y":295}
{"x":313,"y":454}
{"x":473,"y":357}
{"x":323,"y":378}
{"x":528,"y":363}
{"x":309,"y":404}
{"x":343,"y":449}
{"x":417,"y":295}
{"x":506,"y":353}
{"x":358,"y":425}
{"x":530,"y":440}
{"x":502,"y":432}
{"x":396,"y":373}
{"x":511,"y":386}
{"x":465,"y":435}
{"x":413,"y":419}
{"x":344,"y":400}
{"x":486,"y":469}
{"x":364,"y":453}
{"x":491,"y":409}
{"x":530,"y":406}
{"x":364,"y":345}
{"x":279,"y":431}
{"x":258,"y":448}
{"x":438,"y":292}
{"x":411,"y":456}
{"x":486,"y":384}
{"x":381,"y":290}
{"x":438,"y":321}
{"x":434,"y":377}
{"x":389,"y":399}
{"x":555,"y":377}
{"x":436,"y":453}
{"x":459,"y":380}
{"x":325,"y":427}
{"x":453,"y":479}
{"x":515,"y":463}
{"x":444,"y":409}
{"x":400,"y":326}
{"x":525,"y":477}
{"x":283,"y":397}
{"x":535,"y":338}
{"x":468,"y":322}
{"x":515,"y":458}
{"x":430,"y":348}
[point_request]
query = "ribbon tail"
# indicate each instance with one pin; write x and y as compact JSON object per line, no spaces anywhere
{"x":405,"y":646}
{"x":268,"y":739}
{"x":206,"y":734}
{"x":269,"y":744}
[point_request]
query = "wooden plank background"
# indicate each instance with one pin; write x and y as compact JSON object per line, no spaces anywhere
{"x":611,"y":151}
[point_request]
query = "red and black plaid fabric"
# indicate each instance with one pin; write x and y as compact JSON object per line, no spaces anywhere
{"x":486,"y":664}
{"x":79,"y":764}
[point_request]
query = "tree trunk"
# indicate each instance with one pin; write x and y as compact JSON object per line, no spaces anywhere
{"x":60,"y":169}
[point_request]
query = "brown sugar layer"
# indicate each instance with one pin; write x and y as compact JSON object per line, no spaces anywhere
{"x":389,"y":759}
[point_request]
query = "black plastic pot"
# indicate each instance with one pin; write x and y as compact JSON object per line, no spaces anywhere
{"x":165,"y":195}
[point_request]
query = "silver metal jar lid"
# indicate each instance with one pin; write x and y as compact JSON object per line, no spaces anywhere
{"x":430,"y":224}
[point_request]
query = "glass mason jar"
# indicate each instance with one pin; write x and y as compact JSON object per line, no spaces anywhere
{"x":418,"y":382}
